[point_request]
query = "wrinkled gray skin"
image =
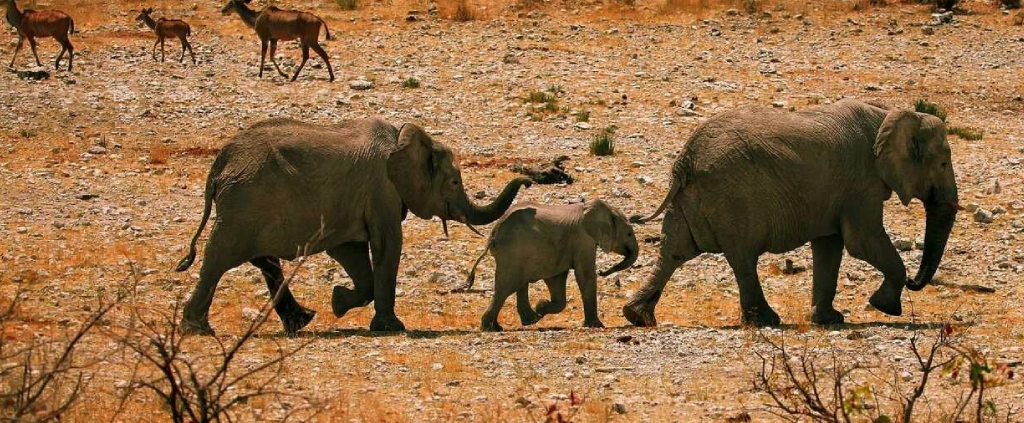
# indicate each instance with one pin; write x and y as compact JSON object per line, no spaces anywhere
{"x":758,"y":180}
{"x":280,"y":182}
{"x":534,"y":242}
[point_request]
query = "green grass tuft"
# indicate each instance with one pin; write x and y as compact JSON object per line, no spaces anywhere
{"x":923,"y":106}
{"x":604,"y":143}
{"x":966,"y":132}
{"x":411,"y":82}
{"x":582,"y":116}
{"x":347,"y":4}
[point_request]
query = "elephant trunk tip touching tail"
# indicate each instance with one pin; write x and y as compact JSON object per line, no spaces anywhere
{"x":472,"y":273}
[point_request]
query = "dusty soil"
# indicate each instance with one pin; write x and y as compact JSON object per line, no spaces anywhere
{"x":105,"y":167}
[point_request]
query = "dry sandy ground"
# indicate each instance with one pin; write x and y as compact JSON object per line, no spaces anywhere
{"x":160,"y":124}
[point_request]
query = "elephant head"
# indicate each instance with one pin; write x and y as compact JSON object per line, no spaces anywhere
{"x":427,"y":177}
{"x":913,"y":158}
{"x":613,"y":233}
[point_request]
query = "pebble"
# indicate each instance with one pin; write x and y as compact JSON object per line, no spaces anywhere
{"x":360,"y":84}
{"x":984,"y":216}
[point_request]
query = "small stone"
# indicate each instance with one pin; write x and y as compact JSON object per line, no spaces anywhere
{"x":360,"y":84}
{"x":250,"y":314}
{"x":928,"y":30}
{"x":903,"y":244}
{"x":583,"y":126}
{"x":972,"y":207}
{"x":994,"y":188}
{"x":619,"y":408}
{"x":984,"y":216}
{"x":997,"y":210}
{"x":97,"y":149}
{"x":644,"y":180}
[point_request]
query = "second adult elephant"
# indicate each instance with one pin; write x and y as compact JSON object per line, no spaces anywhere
{"x":280,"y":183}
{"x":758,"y":180}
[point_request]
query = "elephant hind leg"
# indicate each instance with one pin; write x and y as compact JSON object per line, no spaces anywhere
{"x":504,"y":286}
{"x":293,"y":316}
{"x":556,"y":287}
{"x":527,"y":316}
{"x":756,"y":310}
{"x":220,"y":255}
{"x":677,"y":248}
{"x":354,"y":257}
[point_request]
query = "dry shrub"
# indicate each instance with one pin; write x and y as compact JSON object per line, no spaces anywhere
{"x":159,"y":154}
{"x":808,"y":384}
{"x":463,"y":12}
{"x":41,"y":380}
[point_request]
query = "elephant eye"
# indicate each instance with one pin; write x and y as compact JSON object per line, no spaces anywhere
{"x":944,"y":164}
{"x":455,"y":182}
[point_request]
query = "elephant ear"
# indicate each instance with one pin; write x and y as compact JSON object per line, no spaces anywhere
{"x":599,"y":222}
{"x":899,"y":152}
{"x":411,"y":168}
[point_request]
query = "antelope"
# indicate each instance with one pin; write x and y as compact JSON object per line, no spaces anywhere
{"x":273,"y":24}
{"x":165,"y":28}
{"x":43,"y":23}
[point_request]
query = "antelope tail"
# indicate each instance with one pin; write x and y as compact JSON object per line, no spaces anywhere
{"x":326,"y":31}
{"x":664,"y":205}
{"x":72,"y":29}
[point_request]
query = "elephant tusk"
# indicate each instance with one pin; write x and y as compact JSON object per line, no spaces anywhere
{"x":444,"y":227}
{"x":474,"y":230}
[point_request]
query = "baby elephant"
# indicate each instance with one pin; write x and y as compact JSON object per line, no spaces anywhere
{"x":533,"y":242}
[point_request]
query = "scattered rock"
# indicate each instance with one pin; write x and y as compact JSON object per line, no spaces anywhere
{"x":360,"y":84}
{"x":984,"y":216}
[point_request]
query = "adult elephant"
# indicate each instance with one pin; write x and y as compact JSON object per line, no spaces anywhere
{"x":285,"y":188}
{"x":758,"y":180}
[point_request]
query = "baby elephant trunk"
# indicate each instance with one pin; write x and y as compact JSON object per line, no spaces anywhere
{"x":939,"y":220}
{"x":631,"y":255}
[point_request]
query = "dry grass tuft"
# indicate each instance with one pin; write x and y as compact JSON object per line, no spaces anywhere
{"x":463,"y":12}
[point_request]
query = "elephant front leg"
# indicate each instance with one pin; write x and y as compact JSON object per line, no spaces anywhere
{"x":293,"y":316}
{"x":871,"y":244}
{"x":828,"y":254}
{"x":386,"y":246}
{"x":756,"y":310}
{"x":586,"y":279}
{"x":354,"y":257}
{"x":556,"y":288}
{"x":527,"y":316}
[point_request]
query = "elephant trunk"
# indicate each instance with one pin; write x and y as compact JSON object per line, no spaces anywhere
{"x":939,"y":218}
{"x":627,"y":261}
{"x":482,"y":215}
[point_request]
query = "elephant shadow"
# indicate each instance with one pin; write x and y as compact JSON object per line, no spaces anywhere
{"x":365,"y":333}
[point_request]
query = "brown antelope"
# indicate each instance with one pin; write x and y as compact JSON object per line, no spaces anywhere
{"x":273,"y":24}
{"x":43,"y":23}
{"x":165,"y":28}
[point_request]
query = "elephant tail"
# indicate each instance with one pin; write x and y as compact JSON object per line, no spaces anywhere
{"x":186,"y":262}
{"x":639,"y":219}
{"x":472,"y":272}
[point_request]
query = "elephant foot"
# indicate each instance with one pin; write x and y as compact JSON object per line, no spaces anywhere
{"x":761,"y":317}
{"x":886,"y":302}
{"x":490,"y":326}
{"x":294,"y":322}
{"x":529,"y":319}
{"x":386,"y":323}
{"x":639,"y":315}
{"x":195,"y":327}
{"x":344,"y":299}
{"x":826,"y":316}
{"x":596,"y":323}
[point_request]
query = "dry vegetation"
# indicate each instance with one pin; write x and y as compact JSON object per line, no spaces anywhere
{"x":102,"y":171}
